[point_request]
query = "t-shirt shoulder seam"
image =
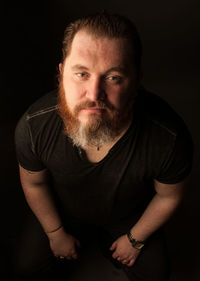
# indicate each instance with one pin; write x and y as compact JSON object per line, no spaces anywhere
{"x":173,"y":133}
{"x":41,"y":112}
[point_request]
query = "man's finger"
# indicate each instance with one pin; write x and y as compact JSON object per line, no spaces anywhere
{"x":68,"y":257}
{"x":74,"y":256}
{"x":113,"y":247}
{"x":131,"y":262}
{"x":115,"y":255}
{"x":125,"y":261}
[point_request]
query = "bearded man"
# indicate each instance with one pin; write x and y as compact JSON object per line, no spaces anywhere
{"x":100,"y":157}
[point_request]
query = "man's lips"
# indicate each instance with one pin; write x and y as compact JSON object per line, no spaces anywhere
{"x":93,"y":109}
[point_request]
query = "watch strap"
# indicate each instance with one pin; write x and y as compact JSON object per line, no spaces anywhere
{"x":135,"y":243}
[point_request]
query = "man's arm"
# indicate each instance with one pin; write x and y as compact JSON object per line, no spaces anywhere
{"x":40,"y":200}
{"x":159,"y":210}
{"x":36,"y":190}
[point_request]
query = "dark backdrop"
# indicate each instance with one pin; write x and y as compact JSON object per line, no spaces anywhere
{"x":31,"y":34}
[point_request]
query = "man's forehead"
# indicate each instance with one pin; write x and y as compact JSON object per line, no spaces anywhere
{"x":86,"y":47}
{"x":84,"y":38}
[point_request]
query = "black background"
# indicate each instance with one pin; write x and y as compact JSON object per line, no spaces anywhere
{"x":31,"y":36}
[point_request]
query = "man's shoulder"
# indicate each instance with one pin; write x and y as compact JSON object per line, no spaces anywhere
{"x":160,"y":113}
{"x":45,"y":104}
{"x":42,"y":114}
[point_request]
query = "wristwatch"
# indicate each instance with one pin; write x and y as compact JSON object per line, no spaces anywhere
{"x":135,"y":243}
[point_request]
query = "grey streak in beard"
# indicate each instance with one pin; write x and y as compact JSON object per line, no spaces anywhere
{"x":98,"y":134}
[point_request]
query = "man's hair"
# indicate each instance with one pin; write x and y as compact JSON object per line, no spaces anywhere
{"x":105,"y":25}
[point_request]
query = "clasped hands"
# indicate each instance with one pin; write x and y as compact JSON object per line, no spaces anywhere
{"x":65,"y":245}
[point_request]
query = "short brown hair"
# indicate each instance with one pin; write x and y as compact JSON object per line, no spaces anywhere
{"x":105,"y":25}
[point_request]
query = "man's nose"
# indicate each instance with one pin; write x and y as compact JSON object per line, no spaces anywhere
{"x":95,"y":89}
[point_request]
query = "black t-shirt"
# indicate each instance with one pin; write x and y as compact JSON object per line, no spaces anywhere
{"x":116,"y":190}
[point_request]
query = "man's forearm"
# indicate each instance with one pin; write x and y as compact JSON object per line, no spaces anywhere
{"x":41,"y":202}
{"x":156,"y":214}
{"x":38,"y":196}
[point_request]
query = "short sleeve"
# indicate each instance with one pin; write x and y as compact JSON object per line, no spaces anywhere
{"x":24,"y":146}
{"x":178,"y":163}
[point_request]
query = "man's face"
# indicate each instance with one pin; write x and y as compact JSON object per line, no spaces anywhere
{"x":98,"y":79}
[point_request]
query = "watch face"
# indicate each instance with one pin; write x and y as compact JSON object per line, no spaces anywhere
{"x":138,"y":245}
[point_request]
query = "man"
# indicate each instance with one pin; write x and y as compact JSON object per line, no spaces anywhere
{"x":101,"y":156}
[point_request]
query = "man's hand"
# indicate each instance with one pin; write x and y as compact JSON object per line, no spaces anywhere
{"x":124,"y":251}
{"x":63,"y":244}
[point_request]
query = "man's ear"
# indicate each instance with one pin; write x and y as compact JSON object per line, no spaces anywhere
{"x":60,"y":67}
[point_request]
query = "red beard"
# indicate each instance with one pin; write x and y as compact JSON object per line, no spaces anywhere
{"x":100,"y":129}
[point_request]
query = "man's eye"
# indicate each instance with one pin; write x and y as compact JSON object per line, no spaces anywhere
{"x":80,"y":74}
{"x":115,"y":79}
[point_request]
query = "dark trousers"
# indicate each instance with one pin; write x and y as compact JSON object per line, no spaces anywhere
{"x":33,"y":259}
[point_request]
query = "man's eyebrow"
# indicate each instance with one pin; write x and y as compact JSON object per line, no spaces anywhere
{"x":116,"y":69}
{"x":79,"y":67}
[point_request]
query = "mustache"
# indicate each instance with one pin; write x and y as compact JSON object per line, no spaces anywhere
{"x":99,"y":104}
